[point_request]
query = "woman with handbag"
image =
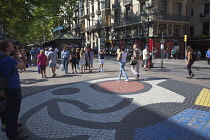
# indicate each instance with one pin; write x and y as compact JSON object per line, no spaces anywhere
{"x":122,"y":62}
{"x":135,"y":61}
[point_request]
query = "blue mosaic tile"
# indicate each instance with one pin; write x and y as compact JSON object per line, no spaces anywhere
{"x":189,"y":124}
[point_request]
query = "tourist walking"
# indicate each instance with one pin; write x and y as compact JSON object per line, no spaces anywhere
{"x":89,"y":55}
{"x":101,"y":59}
{"x":42,"y":63}
{"x":190,"y":61}
{"x":167,"y":53}
{"x":77,"y":54}
{"x":33,"y":56}
{"x":73,"y":61}
{"x":173,"y":53}
{"x":122,"y":62}
{"x":136,"y":57}
{"x":65,"y":56}
{"x":208,"y":56}
{"x":52,"y":59}
{"x":146,"y":56}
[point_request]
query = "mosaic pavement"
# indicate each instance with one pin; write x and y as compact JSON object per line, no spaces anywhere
{"x":108,"y":109}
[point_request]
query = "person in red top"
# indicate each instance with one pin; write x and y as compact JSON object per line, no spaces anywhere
{"x":42,"y":62}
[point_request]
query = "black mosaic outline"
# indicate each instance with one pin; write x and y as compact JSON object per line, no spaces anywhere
{"x":122,"y":131}
{"x":66,"y":91}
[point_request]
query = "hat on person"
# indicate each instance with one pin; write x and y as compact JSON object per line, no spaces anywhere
{"x":50,"y":49}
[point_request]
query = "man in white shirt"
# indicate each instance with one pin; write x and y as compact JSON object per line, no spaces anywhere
{"x":146,"y":56}
{"x":52,"y":58}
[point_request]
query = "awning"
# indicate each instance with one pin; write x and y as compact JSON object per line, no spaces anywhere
{"x":66,"y":37}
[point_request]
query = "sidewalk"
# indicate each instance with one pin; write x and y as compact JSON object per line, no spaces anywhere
{"x":161,"y":105}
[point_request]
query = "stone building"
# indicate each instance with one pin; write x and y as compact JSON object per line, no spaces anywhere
{"x":199,"y":31}
{"x":113,"y":23}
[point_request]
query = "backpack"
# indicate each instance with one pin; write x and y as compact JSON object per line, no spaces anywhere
{"x":194,"y":56}
{"x":3,"y":80}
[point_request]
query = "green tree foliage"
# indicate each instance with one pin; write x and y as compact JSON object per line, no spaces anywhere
{"x":32,"y":20}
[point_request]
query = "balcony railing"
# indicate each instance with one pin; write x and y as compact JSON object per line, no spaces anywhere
{"x":115,"y":7}
{"x":98,"y":11}
{"x":173,"y":17}
{"x":127,"y":2}
{"x":92,"y":14}
{"x":97,"y":26}
{"x":203,"y":15}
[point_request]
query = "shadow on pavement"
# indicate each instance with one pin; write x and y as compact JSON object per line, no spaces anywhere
{"x":144,"y":122}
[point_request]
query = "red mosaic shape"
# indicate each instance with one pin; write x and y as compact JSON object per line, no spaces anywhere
{"x":121,"y":86}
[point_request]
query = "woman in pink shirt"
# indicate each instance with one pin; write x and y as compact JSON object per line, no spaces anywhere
{"x":42,"y":63}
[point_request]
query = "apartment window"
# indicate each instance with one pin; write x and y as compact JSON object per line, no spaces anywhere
{"x":206,"y":8}
{"x":177,"y":8}
{"x":142,"y":6}
{"x":205,"y":28}
{"x":116,"y":17}
{"x":128,"y":13}
{"x":192,"y":12}
{"x":93,"y":8}
{"x":99,"y":5}
{"x":191,"y":30}
{"x":164,"y":7}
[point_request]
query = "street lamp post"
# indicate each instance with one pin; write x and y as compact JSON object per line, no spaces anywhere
{"x":147,"y":17}
{"x":2,"y":28}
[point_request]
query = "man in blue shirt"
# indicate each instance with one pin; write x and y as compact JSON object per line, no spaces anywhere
{"x":65,"y":55}
{"x":208,"y":56}
{"x":9,"y":68}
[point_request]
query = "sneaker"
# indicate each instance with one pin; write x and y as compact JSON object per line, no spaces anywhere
{"x":127,"y":80}
{"x":99,"y":70}
{"x":103,"y":70}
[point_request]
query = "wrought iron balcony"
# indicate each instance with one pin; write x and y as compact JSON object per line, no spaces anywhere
{"x":98,"y":11}
{"x":127,"y":2}
{"x":97,"y":26}
{"x":115,"y":7}
{"x":92,"y":14}
{"x":203,"y":15}
{"x":173,"y":17}
{"x":85,"y":15}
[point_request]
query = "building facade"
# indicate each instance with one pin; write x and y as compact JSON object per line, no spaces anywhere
{"x":114,"y":23}
{"x":199,"y":28}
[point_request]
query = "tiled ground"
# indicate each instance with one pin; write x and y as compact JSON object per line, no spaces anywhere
{"x":108,"y":109}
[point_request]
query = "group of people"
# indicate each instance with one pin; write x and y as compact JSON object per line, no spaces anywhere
{"x":137,"y":53}
{"x":80,"y":59}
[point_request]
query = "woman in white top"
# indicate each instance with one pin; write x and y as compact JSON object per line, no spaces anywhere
{"x":122,"y":63}
{"x":82,"y":60}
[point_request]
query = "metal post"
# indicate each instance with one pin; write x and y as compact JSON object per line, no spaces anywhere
{"x":162,"y":47}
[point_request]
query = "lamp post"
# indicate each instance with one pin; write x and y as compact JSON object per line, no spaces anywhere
{"x":2,"y":22}
{"x":147,"y":17}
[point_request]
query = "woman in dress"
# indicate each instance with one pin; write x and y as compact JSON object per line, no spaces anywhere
{"x":82,"y":60}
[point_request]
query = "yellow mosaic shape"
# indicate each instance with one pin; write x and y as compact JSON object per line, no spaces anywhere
{"x":203,"y":98}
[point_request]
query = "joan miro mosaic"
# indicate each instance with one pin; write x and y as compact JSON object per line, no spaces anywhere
{"x":110,"y":109}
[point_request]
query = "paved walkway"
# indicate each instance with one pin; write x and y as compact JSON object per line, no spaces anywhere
{"x":161,"y":105}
